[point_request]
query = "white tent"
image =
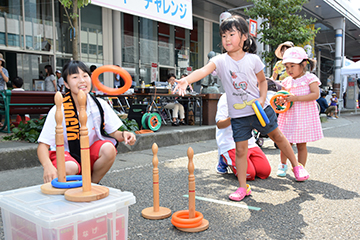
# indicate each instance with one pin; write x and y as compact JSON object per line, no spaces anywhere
{"x":347,"y":70}
{"x":351,"y":69}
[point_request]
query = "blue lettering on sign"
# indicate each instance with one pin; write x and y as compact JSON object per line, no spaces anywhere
{"x":167,"y":6}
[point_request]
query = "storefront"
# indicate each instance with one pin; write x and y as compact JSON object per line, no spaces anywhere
{"x":37,"y":33}
{"x":148,"y":38}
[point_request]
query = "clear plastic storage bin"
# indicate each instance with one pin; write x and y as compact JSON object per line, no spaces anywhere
{"x":29,"y":214}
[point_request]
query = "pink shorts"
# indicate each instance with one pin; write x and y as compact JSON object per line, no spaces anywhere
{"x":94,"y":154}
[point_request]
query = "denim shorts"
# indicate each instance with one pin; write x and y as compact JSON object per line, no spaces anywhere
{"x":242,"y":127}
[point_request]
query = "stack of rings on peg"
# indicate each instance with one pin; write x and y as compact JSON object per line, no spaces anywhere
{"x":260,"y":113}
{"x":280,"y":106}
{"x":180,"y":219}
{"x":117,"y":70}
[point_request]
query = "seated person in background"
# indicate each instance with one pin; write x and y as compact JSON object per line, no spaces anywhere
{"x":324,"y":106}
{"x":17,"y":84}
{"x":257,"y":163}
{"x":176,"y":107}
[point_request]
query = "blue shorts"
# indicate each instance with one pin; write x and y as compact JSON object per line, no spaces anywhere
{"x":242,"y":127}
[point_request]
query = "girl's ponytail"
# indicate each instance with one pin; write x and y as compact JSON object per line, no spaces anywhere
{"x":312,"y":63}
{"x":250,"y":45}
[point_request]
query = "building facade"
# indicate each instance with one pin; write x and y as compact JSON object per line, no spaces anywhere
{"x":37,"y":33}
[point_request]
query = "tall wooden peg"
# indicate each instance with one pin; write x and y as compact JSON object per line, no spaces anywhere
{"x":155,"y":212}
{"x":47,"y":188}
{"x":190,"y":220}
{"x":88,"y":192}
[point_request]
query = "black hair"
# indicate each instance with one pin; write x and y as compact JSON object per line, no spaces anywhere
{"x":323,"y":94}
{"x":242,"y":26}
{"x":311,"y":63}
{"x":170,"y":75}
{"x":17,"y":82}
{"x":92,"y":68}
{"x":49,"y":70}
{"x":72,"y":67}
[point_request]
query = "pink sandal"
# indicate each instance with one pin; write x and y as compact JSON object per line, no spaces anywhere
{"x":300,"y":173}
{"x":240,"y":193}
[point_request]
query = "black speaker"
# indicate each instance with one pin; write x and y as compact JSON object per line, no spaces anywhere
{"x":136,"y":112}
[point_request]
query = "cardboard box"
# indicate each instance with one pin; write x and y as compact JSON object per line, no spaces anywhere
{"x":29,"y":214}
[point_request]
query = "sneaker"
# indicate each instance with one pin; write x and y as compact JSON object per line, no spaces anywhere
{"x":333,"y":117}
{"x":281,"y":172}
{"x":221,"y":167}
{"x":240,"y":193}
{"x":300,"y":173}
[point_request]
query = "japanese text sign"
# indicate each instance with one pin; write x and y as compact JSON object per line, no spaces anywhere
{"x":153,"y":72}
{"x":253,"y":27}
{"x":174,"y":12}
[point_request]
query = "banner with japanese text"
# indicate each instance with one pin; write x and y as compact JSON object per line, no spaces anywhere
{"x":174,"y":12}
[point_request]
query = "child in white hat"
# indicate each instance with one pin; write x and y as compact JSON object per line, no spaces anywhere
{"x":301,"y":123}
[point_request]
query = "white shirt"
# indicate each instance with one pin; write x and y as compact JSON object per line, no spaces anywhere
{"x":239,"y":82}
{"x":112,"y":123}
{"x":60,"y":83}
{"x":224,"y":136}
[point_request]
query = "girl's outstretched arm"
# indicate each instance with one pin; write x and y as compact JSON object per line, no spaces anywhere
{"x":194,"y":77}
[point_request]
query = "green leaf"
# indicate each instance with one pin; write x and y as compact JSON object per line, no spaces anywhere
{"x":282,"y":23}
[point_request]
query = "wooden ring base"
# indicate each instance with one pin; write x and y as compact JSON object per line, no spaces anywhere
{"x":78,"y":195}
{"x":47,"y":188}
{"x":204,"y":225}
{"x":149,"y":213}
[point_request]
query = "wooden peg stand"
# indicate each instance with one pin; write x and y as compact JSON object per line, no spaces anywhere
{"x":155,"y":212}
{"x":47,"y":188}
{"x":191,"y":212}
{"x":87,"y":192}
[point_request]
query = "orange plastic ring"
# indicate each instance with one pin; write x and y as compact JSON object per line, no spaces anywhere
{"x":182,"y":225}
{"x":181,"y":219}
{"x":115,"y":69}
{"x":272,"y":100}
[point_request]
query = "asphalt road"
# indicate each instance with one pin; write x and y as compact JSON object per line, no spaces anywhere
{"x":324,"y":207}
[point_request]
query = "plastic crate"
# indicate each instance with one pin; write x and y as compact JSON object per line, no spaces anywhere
{"x":29,"y":214}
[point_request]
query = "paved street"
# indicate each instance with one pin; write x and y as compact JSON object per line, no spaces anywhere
{"x":324,"y":207}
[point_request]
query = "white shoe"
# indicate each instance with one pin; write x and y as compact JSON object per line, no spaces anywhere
{"x":333,"y":118}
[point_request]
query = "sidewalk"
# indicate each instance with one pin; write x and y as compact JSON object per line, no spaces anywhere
{"x":16,"y":154}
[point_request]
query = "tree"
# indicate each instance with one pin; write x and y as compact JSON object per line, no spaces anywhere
{"x":282,"y":23}
{"x":73,"y":17}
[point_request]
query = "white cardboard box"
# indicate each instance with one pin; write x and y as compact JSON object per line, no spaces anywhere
{"x":29,"y":214}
